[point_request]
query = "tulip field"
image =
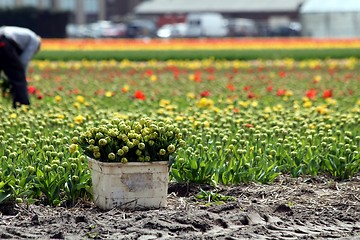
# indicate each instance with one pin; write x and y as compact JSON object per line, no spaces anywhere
{"x":242,"y":120}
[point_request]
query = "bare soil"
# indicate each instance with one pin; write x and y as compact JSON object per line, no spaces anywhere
{"x":302,"y":208}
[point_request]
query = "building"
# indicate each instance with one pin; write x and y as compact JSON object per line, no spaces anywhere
{"x":272,"y":13}
{"x":336,"y":18}
{"x":83,"y":11}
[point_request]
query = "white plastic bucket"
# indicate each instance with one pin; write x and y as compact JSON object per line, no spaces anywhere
{"x":129,"y":186}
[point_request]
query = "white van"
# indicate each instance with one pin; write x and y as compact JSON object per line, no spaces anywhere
{"x":243,"y":27}
{"x":206,"y":25}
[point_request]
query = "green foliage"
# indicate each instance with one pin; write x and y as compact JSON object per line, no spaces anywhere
{"x":164,"y":55}
{"x":213,"y":196}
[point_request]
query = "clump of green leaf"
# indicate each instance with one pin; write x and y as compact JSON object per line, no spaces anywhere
{"x":213,"y":196}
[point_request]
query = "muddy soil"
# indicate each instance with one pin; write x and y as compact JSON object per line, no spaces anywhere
{"x":302,"y":208}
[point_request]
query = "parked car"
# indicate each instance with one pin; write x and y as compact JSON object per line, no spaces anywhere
{"x":206,"y":25}
{"x":141,"y":28}
{"x":78,"y":31}
{"x":101,"y":29}
{"x":175,"y":30}
{"x":115,"y":30}
{"x":243,"y":27}
{"x":291,"y":30}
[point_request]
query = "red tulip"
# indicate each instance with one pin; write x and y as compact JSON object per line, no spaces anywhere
{"x":205,"y":93}
{"x":327,"y":93}
{"x":251,"y":95}
{"x":311,"y":94}
{"x":231,"y":87}
{"x":32,"y":89}
{"x":139,"y":95}
{"x":197,"y":76}
{"x":282,"y":74}
{"x":100,"y":92}
{"x":211,"y":70}
{"x":176,"y":74}
{"x":281,"y":92}
{"x":211,"y":77}
{"x":149,"y":72}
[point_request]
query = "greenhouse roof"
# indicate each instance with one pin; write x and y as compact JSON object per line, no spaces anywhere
{"x":181,"y":6}
{"x":320,"y":6}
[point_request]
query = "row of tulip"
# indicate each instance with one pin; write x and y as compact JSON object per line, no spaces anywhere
{"x":191,"y":44}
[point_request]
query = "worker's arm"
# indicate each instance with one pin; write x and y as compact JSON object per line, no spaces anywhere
{"x":30,"y":50}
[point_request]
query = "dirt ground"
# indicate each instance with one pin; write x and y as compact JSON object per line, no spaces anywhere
{"x":302,"y":208}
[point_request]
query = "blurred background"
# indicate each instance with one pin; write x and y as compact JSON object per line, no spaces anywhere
{"x":184,"y":18}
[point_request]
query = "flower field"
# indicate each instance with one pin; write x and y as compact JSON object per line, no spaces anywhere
{"x":196,"y":49}
{"x":242,"y":121}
